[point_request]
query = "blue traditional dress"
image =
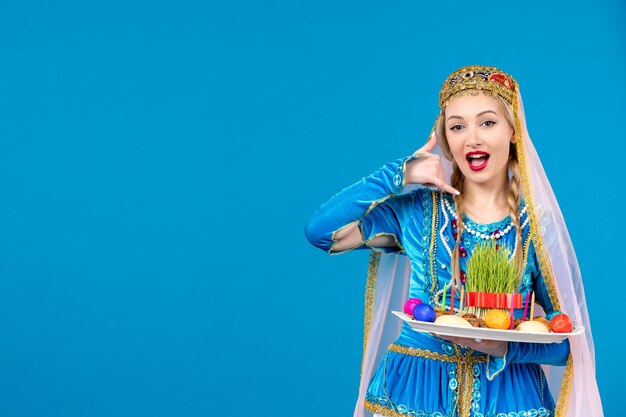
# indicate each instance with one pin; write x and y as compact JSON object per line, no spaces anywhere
{"x":420,"y":374}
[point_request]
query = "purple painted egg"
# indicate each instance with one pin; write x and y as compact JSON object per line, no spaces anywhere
{"x":410,"y":304}
{"x":424,"y":312}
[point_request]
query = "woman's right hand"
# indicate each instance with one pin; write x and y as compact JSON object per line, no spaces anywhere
{"x":427,"y":169}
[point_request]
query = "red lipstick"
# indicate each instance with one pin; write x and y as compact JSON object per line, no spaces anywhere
{"x":477,"y":160}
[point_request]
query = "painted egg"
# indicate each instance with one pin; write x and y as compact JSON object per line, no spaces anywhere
{"x":424,"y":312}
{"x":410,"y":304}
{"x":497,"y":319}
{"x":561,"y":323}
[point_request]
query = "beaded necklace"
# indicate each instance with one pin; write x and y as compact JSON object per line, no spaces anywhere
{"x":484,"y":236}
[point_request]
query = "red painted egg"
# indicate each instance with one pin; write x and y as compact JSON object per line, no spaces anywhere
{"x":561,"y":323}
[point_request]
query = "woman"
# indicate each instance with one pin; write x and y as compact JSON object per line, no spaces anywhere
{"x":490,"y":187}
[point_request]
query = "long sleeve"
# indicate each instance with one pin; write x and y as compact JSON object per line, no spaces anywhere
{"x":354,"y":203}
{"x":523,"y":352}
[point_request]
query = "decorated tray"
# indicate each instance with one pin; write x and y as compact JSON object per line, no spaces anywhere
{"x":480,"y":333}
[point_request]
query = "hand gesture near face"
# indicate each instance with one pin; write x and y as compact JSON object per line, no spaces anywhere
{"x":427,"y":169}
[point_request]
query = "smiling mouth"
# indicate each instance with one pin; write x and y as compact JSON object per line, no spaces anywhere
{"x":477,"y":160}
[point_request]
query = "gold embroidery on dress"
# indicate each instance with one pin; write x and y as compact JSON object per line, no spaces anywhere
{"x":380,"y":409}
{"x":566,"y":389}
{"x":433,"y":237}
{"x":370,"y":293}
{"x":464,"y":368}
{"x":525,"y":249}
{"x":428,"y":354}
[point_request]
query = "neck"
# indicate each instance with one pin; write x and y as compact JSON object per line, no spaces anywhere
{"x":488,"y":197}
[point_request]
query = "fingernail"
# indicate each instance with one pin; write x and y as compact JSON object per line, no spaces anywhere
{"x":457,"y":192}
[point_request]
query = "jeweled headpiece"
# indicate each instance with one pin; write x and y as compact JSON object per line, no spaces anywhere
{"x":476,"y":77}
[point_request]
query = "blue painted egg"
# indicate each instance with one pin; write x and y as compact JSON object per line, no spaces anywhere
{"x":424,"y":312}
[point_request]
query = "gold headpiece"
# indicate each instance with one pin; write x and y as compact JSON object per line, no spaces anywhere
{"x":476,"y":77}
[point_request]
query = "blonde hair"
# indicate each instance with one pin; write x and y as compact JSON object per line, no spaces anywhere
{"x":456,"y":180}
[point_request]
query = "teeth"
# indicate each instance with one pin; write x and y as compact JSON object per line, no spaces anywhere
{"x":477,"y":156}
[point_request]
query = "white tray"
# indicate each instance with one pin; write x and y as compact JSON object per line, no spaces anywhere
{"x":482,"y":333}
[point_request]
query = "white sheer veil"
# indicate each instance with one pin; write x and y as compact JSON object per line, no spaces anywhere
{"x":574,"y":386}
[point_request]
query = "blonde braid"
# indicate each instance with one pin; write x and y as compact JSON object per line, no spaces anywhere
{"x":456,"y":181}
{"x":514,"y":197}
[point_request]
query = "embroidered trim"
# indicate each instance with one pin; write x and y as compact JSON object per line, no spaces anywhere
{"x":332,"y":237}
{"x":428,"y":354}
{"x":541,"y":378}
{"x":398,"y":183}
{"x":465,"y":371}
{"x":433,"y":241}
{"x":443,"y":227}
{"x":396,"y":410}
{"x":566,"y":388}
{"x":389,"y":408}
{"x":409,"y":159}
{"x":525,"y":248}
{"x":398,"y":244}
{"x":476,"y":391}
{"x":374,"y":203}
{"x":499,"y":370}
{"x":467,"y":374}
{"x":427,"y":212}
{"x":370,"y":294}
{"x":365,"y":242}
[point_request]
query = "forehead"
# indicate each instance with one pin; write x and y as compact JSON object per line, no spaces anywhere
{"x":472,"y":103}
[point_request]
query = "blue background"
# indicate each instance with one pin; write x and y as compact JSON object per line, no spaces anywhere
{"x":159,"y":160}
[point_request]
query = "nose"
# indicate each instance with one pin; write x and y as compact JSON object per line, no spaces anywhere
{"x":473,"y":139}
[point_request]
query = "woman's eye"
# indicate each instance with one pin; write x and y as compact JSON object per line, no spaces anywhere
{"x":489,"y":122}
{"x":456,"y":127}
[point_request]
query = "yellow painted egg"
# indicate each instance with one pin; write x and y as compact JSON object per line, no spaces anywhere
{"x":497,"y":319}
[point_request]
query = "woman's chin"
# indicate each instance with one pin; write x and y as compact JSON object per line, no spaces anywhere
{"x":476,"y":176}
{"x":483,"y":177}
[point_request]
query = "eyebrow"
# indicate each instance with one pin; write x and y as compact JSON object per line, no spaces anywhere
{"x":479,"y":114}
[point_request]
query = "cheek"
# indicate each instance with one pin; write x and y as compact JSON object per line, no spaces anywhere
{"x":501,"y":157}
{"x":457,"y":153}
{"x":504,"y":148}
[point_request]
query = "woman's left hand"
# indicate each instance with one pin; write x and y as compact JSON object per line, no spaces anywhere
{"x":495,"y":348}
